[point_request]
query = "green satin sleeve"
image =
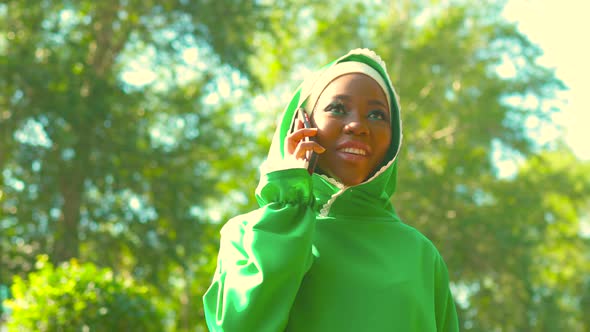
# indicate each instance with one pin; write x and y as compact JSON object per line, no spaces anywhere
{"x":263,"y":257}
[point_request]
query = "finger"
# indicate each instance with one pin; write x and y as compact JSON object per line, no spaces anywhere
{"x":305,"y":148}
{"x":294,"y":138}
{"x":302,"y":133}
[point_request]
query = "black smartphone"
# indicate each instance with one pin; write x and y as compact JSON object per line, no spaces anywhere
{"x":313,"y":158}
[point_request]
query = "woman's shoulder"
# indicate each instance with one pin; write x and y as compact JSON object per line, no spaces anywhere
{"x":418,"y":237}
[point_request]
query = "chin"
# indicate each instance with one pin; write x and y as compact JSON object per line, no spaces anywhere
{"x":345,"y":180}
{"x":351,"y":182}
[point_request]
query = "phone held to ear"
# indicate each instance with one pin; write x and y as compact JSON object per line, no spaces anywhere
{"x":312,"y":157}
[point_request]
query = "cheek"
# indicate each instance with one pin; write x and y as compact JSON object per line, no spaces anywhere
{"x":383,"y":141}
{"x":318,"y":121}
{"x":328,"y":129}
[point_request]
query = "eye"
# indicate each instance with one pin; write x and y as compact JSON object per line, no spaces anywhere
{"x":336,"y":108}
{"x":377,"y":115}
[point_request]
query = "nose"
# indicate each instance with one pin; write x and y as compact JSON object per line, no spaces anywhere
{"x":356,"y":126}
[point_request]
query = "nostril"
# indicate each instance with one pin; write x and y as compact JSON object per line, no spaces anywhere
{"x":356,"y":128}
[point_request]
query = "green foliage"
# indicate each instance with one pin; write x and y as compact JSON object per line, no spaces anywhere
{"x":99,"y":167}
{"x":538,"y":265}
{"x":78,"y":297}
{"x":139,"y":175}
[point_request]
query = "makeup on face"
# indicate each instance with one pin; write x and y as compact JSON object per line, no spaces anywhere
{"x":353,"y":120}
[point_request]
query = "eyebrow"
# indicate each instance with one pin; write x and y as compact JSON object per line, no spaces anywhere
{"x":371,"y":102}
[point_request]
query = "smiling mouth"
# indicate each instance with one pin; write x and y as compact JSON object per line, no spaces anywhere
{"x":359,"y":152}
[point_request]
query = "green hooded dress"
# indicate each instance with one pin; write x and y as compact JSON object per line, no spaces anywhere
{"x":320,"y":256}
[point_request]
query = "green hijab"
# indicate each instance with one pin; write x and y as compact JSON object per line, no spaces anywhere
{"x":382,"y":184}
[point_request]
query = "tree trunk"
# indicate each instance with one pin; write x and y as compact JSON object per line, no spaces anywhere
{"x":67,"y":235}
{"x":71,"y":183}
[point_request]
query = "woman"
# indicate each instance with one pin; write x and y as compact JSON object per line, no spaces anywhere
{"x":327,"y":252}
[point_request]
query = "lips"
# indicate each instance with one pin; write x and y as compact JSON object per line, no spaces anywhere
{"x":354,"y":148}
{"x":359,"y":152}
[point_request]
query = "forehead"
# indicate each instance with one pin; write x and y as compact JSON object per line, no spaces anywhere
{"x":355,"y":84}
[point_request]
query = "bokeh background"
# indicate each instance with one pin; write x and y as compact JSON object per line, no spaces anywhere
{"x":131,"y":130}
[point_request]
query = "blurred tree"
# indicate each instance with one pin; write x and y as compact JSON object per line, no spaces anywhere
{"x":533,"y":250}
{"x":149,"y":158}
{"x":115,"y":124}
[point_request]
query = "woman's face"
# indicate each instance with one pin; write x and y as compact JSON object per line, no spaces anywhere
{"x":354,"y":126}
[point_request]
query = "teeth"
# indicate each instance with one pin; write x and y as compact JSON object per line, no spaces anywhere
{"x":355,"y":151}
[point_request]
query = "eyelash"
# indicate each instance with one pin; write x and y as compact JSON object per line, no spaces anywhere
{"x":380,"y":114}
{"x":339,"y":108}
{"x":336,"y":107}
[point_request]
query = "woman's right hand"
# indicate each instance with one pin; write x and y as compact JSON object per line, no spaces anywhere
{"x":299,"y":144}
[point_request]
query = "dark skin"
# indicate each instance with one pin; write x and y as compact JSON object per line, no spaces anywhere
{"x":353,"y":129}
